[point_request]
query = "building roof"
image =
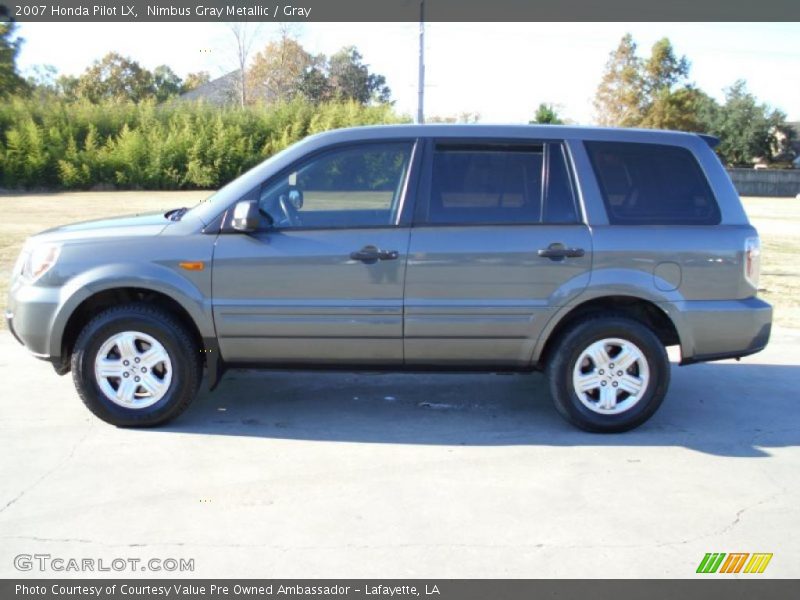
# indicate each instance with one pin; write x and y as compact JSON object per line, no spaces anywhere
{"x":220,"y":91}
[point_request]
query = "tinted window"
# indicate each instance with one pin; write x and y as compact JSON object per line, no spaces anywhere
{"x":354,"y":186}
{"x":559,"y":202}
{"x":651,"y":184}
{"x":485,"y":184}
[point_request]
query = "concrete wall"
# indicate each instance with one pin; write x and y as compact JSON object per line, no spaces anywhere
{"x":766,"y":182}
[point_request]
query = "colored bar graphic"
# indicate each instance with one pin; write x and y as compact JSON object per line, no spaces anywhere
{"x":734,"y":562}
{"x":758,"y":563}
{"x":740,"y":564}
{"x":710,"y":562}
{"x":713,"y":562}
{"x":701,"y":567}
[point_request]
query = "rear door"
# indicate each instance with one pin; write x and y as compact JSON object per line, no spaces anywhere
{"x":497,"y":245}
{"x":322,"y":280}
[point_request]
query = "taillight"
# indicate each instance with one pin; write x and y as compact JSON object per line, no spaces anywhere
{"x":752,"y":260}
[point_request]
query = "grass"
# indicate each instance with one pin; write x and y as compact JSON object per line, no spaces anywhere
{"x":777,"y":219}
{"x":778,"y":223}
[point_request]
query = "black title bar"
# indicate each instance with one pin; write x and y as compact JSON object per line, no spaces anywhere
{"x":400,"y":10}
{"x":710,"y":588}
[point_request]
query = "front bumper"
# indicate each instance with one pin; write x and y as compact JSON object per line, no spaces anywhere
{"x":30,"y":315}
{"x":10,"y":325}
{"x":720,"y":329}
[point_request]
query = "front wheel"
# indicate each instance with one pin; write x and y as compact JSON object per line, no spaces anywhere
{"x":608,"y":374}
{"x":136,"y":365}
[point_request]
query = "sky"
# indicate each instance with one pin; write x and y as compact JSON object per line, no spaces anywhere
{"x":500,"y":70}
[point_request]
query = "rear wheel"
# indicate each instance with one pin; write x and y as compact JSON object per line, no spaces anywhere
{"x":608,"y":374}
{"x":136,"y":365}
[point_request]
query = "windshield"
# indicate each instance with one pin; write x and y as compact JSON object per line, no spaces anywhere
{"x":218,"y":201}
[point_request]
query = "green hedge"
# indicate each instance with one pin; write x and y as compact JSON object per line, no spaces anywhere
{"x":59,"y":145}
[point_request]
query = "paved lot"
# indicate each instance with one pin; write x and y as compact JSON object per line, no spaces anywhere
{"x":370,"y":475}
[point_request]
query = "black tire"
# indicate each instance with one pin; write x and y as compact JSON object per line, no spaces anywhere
{"x":184,"y":355}
{"x":566,"y":354}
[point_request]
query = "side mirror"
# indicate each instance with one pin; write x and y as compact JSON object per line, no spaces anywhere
{"x":246,"y":217}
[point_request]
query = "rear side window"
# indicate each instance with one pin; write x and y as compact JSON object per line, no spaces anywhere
{"x":485,"y":184}
{"x":476,"y":184}
{"x":651,"y":184}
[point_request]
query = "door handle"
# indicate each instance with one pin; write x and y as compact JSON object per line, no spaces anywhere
{"x":559,"y":252}
{"x":388,"y":254}
{"x":371,"y":254}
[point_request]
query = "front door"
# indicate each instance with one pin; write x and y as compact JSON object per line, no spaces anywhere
{"x":497,"y":245}
{"x":322,"y":280}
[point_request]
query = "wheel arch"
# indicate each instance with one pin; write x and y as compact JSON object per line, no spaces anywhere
{"x":640,"y":309}
{"x":163,"y":288}
{"x":116,"y":296}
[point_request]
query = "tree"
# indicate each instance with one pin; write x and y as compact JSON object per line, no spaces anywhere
{"x":652,"y":92}
{"x":663,"y":70}
{"x":314,"y":84}
{"x":546,"y":114}
{"x":685,"y":109}
{"x":279,"y":70}
{"x":244,"y":43}
{"x":619,"y":99}
{"x":351,"y":79}
{"x":10,"y":44}
{"x":747,"y":130}
{"x":284,"y":69}
{"x":195,"y":80}
{"x":115,"y":77}
{"x":67,"y":86}
{"x":43,"y":80}
{"x":166,"y":83}
{"x":782,"y":148}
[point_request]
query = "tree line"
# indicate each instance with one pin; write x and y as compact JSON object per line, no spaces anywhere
{"x":122,"y":125}
{"x":282,"y":71}
{"x":148,"y":146}
{"x":655,"y":92}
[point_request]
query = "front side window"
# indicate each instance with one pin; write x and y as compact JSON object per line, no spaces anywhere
{"x":352,"y":186}
{"x":652,"y":184}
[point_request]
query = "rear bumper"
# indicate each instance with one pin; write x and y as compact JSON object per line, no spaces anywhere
{"x":716,"y":330}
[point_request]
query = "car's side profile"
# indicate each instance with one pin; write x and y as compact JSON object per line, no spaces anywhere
{"x":580,"y":251}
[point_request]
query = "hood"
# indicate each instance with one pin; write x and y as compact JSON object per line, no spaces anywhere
{"x":143,"y":225}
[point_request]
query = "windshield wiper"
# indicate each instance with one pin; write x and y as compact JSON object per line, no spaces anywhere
{"x":175,"y":214}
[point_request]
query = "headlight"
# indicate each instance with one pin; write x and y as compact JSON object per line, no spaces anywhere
{"x":20,"y":264}
{"x":39,"y":260}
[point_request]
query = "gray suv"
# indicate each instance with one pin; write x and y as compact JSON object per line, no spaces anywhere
{"x":582,"y":252}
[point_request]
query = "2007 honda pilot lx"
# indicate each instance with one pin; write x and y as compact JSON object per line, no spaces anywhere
{"x":580,"y":251}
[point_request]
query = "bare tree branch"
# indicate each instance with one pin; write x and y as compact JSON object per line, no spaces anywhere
{"x":244,"y":36}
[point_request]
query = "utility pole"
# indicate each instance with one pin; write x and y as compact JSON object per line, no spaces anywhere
{"x":421,"y":83}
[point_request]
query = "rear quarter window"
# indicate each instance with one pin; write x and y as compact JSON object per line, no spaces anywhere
{"x":652,"y":184}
